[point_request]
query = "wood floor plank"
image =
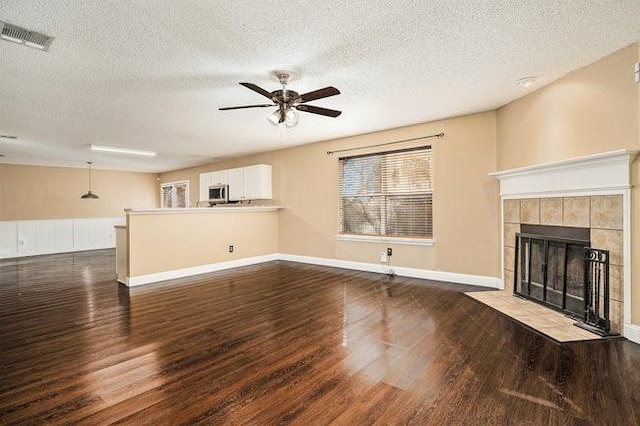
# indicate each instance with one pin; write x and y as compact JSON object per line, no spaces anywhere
{"x":286,"y":343}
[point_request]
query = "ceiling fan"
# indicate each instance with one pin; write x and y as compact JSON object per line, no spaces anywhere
{"x":289,"y":101}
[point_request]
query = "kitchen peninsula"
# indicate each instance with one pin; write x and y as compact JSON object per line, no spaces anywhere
{"x":162,"y":244}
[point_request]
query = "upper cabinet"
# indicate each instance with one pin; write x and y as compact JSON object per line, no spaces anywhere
{"x":236,"y":184}
{"x":245,"y":183}
{"x":257,"y":182}
{"x":205,"y":182}
{"x":220,"y":177}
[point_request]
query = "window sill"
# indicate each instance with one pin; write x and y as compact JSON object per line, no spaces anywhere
{"x":388,"y":240}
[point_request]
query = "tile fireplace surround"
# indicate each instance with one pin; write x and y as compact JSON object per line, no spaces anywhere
{"x":588,"y":192}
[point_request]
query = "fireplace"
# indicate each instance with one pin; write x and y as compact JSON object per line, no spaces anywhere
{"x":550,"y":267}
{"x":591,"y":192}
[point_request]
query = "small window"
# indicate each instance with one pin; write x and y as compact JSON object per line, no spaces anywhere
{"x":387,"y":194}
{"x":174,"y":194}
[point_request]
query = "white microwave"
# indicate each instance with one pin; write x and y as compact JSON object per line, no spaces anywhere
{"x":218,"y":194}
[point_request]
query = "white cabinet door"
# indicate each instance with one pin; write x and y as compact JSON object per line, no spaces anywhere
{"x":220,"y":177}
{"x":257,"y":182}
{"x":252,"y":182}
{"x":236,"y":184}
{"x":205,"y":182}
{"x":8,"y":238}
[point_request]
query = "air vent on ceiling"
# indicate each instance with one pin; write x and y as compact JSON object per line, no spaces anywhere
{"x":23,"y":36}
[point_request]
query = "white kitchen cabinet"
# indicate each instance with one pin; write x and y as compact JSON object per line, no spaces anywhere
{"x":220,"y":177}
{"x":250,"y":183}
{"x":205,"y":182}
{"x":245,"y":183}
{"x":257,"y":182}
{"x":236,"y":184}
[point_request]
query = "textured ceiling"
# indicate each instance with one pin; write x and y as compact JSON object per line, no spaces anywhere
{"x":150,"y":74}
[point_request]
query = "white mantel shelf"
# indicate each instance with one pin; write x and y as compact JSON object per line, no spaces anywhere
{"x":230,"y":209}
{"x":588,"y":175}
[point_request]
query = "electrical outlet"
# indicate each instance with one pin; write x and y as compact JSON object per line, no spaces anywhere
{"x":230,"y":249}
{"x":389,"y":251}
{"x":383,"y":257}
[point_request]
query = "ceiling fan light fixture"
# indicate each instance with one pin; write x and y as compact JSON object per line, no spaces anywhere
{"x":290,"y":118}
{"x":289,"y":102}
{"x":274,"y":118}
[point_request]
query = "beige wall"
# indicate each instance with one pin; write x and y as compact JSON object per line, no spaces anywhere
{"x":36,"y":192}
{"x":466,"y":201}
{"x":197,"y":239}
{"x":592,"y":110}
{"x":595,"y":109}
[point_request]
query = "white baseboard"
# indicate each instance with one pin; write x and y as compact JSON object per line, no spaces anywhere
{"x":477,"y":280}
{"x":632,"y":332}
{"x":202,"y":269}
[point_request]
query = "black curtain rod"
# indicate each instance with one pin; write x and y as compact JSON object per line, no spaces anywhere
{"x":439,"y":135}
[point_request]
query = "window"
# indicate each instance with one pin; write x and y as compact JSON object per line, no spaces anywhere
{"x":174,"y":194}
{"x":387,"y":194}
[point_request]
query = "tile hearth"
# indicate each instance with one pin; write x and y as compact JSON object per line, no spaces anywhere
{"x":551,"y":323}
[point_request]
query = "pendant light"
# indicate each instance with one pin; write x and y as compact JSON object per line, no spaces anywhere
{"x":89,"y":194}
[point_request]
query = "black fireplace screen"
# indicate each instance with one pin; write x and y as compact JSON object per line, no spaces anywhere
{"x":550,"y":270}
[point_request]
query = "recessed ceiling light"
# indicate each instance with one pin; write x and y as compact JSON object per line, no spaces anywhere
{"x":119,"y":150}
{"x":526,"y":81}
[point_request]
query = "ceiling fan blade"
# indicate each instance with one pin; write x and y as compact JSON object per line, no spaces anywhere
{"x":247,"y":106}
{"x":319,"y":94}
{"x":257,"y":89}
{"x":317,"y":110}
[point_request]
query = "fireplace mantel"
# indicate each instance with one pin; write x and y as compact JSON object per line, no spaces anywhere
{"x":590,"y":175}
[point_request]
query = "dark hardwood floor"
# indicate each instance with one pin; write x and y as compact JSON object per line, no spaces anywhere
{"x":286,"y":343}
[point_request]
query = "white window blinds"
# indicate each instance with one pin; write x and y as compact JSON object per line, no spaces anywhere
{"x":387,"y":194}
